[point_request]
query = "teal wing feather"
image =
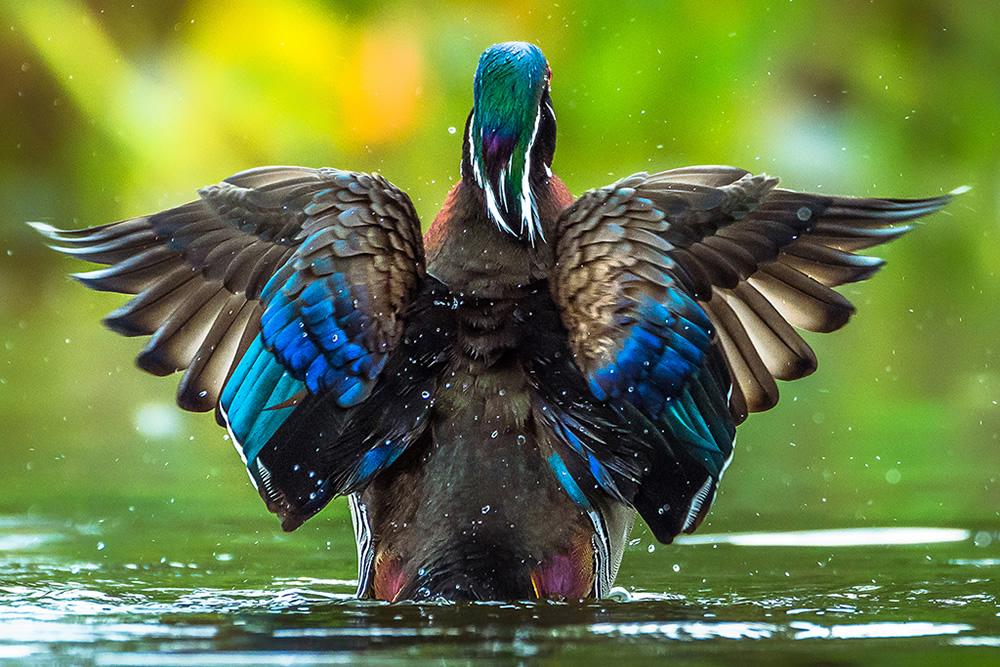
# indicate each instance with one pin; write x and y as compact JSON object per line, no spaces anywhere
{"x":681,"y":293}
{"x":277,"y":284}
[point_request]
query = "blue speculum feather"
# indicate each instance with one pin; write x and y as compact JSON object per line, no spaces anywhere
{"x":708,"y":443}
{"x":566,"y":481}
{"x":310,"y":340}
{"x":665,"y":346}
{"x":315,"y":332}
{"x":567,"y":427}
{"x":260,"y":381}
{"x":377,"y":458}
{"x":660,"y":369}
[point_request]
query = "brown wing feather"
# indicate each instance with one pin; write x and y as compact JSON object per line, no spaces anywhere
{"x":198,"y":270}
{"x":762,"y":261}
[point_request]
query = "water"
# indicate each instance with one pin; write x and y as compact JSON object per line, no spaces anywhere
{"x":843,"y":596}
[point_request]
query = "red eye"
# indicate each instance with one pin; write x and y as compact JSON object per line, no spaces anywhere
{"x":548,"y":74}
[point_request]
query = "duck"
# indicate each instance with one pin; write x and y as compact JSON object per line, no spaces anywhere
{"x":498,"y":399}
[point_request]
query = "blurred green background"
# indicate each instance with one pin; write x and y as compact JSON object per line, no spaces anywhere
{"x":116,"y":109}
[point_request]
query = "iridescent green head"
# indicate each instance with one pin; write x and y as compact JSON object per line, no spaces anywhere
{"x":510,"y":136}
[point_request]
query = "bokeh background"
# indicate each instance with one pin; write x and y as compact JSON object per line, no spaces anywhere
{"x":115,"y":109}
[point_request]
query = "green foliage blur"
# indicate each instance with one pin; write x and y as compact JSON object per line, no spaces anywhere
{"x":112,"y":109}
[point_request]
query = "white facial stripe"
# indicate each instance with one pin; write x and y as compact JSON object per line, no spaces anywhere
{"x":548,"y":105}
{"x":504,"y":175}
{"x":491,"y":200}
{"x":527,"y":204}
{"x":529,"y":208}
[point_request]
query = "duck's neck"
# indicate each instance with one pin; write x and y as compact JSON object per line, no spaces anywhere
{"x":468,"y":252}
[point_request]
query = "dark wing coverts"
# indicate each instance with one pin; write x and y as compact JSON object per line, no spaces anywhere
{"x":278,"y":284}
{"x":681,"y":292}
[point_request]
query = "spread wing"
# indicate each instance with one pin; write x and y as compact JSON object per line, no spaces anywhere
{"x":682,"y":291}
{"x":278,"y":286}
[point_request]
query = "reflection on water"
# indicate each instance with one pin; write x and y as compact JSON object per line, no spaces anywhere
{"x":851,"y":537}
{"x":794,"y":630}
{"x":942,"y":598}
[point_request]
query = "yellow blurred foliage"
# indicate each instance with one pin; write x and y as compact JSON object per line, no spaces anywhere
{"x":358,"y":86}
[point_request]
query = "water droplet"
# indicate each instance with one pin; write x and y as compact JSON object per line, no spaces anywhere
{"x":651,"y":548}
{"x":486,"y":508}
{"x":521,"y":440}
{"x":494,"y":434}
{"x":451,"y":130}
{"x":804,"y":213}
{"x":677,"y":568}
{"x":100,"y":546}
{"x":425,"y":395}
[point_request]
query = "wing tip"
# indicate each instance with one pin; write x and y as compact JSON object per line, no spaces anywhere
{"x":44,"y":229}
{"x":53,"y":234}
{"x":118,"y":321}
{"x":97,"y":279}
{"x":155,"y":360}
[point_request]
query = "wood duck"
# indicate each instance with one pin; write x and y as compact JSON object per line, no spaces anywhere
{"x":499,"y":398}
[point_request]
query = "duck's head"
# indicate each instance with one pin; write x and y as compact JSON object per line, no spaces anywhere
{"x":511,"y":136}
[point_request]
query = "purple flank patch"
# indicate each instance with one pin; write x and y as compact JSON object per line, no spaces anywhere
{"x":389,"y":579}
{"x":561,"y":577}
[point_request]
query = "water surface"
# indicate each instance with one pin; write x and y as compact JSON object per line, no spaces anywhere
{"x":847,"y":596}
